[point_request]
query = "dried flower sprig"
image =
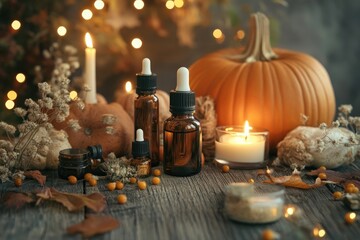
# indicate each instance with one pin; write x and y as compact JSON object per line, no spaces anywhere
{"x":345,"y":120}
{"x":118,"y":169}
{"x":33,"y":139}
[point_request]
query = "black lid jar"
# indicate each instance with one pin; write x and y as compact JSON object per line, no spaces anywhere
{"x":77,"y":162}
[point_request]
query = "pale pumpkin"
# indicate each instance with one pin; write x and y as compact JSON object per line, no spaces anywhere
{"x":114,"y":135}
{"x":269,"y":88}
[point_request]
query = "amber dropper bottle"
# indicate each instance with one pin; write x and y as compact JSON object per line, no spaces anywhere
{"x":146,"y":116}
{"x":182,"y":131}
{"x":141,"y":155}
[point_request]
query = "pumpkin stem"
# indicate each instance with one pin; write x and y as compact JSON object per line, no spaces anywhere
{"x":259,"y":47}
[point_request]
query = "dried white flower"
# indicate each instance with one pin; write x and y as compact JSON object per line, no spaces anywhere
{"x":303,"y":119}
{"x":7,"y":128}
{"x":80,"y":104}
{"x":20,"y":112}
{"x":70,"y":49}
{"x":74,"y":124}
{"x":44,"y":88}
{"x":323,"y":126}
{"x":86,"y":88}
{"x":109,"y":130}
{"x":108,"y":119}
{"x":46,"y":54}
{"x":336,"y":123}
{"x":345,"y":109}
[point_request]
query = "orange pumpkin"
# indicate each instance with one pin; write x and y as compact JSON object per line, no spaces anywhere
{"x":269,"y":88}
{"x":93,"y":122}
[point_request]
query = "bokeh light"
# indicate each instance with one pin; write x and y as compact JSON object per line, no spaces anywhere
{"x":99,"y":4}
{"x":16,"y":24}
{"x":217,"y":33}
{"x":73,"y":95}
{"x":179,"y":3}
{"x":128,"y":86}
{"x":170,"y":4}
{"x":9,"y":104}
{"x":20,"y":77}
{"x":136,"y":43}
{"x":61,"y":31}
{"x":139,"y":4}
{"x":87,"y":14}
{"x":12,"y":95}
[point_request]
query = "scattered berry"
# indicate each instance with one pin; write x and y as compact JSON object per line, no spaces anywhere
{"x":157,"y":172}
{"x":269,"y":234}
{"x":322,"y":176}
{"x":111,"y":186}
{"x":350,"y":188}
{"x":155,"y":181}
{"x":350,"y":185}
{"x":322,"y":168}
{"x":225,"y":168}
{"x":133,"y":180}
{"x":119,"y":185}
{"x":72,"y":180}
{"x":121,"y":198}
{"x":18,"y":182}
{"x":337,"y":195}
{"x":350,"y":217}
{"x":142,"y":185}
{"x":88,"y":176}
{"x":92,"y":182}
{"x":355,"y":190}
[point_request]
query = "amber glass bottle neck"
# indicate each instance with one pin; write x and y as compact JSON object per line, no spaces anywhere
{"x":143,"y":93}
{"x":184,"y":115}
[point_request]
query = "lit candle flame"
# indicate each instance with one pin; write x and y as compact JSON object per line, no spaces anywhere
{"x":88,"y":40}
{"x":128,"y":86}
{"x":247,"y":129}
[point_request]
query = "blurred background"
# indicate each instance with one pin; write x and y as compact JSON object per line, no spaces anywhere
{"x":172,"y":33}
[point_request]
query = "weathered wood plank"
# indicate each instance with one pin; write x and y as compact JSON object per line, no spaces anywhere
{"x":48,"y":221}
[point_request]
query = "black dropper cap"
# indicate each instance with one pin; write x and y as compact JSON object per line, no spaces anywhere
{"x":140,"y":147}
{"x":182,"y":99}
{"x":146,"y":80}
{"x":95,"y":151}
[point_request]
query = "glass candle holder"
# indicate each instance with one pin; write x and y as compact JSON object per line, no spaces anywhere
{"x":238,"y":149}
{"x":254,"y":203}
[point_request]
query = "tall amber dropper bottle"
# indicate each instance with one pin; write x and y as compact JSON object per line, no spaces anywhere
{"x":146,"y":116}
{"x":182,"y":131}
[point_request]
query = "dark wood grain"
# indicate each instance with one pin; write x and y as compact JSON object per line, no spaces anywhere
{"x":180,"y":208}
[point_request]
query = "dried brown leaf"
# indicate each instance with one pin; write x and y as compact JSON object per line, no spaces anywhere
{"x":338,"y":177}
{"x":36,"y":174}
{"x":294,"y":180}
{"x":75,"y":202}
{"x":94,"y":225}
{"x":17,"y":199}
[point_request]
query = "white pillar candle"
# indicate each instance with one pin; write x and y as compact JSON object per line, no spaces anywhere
{"x":90,"y":70}
{"x":241,"y":147}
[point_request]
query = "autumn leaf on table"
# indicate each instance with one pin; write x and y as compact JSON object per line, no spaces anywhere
{"x":74,"y":202}
{"x":338,"y":177}
{"x":294,"y":180}
{"x":36,"y":174}
{"x":93,"y":225}
{"x":16,"y":199}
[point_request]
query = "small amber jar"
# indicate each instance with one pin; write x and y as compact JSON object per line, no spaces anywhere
{"x":77,"y":162}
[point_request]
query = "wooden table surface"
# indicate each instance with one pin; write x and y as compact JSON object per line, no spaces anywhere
{"x":178,"y":208}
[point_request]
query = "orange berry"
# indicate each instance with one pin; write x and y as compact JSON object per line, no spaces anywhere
{"x":18,"y":182}
{"x":119,"y":185}
{"x":157,"y":172}
{"x":350,"y":217}
{"x":349,"y":189}
{"x":350,"y":184}
{"x":92,"y":182}
{"x":88,"y":176}
{"x":269,"y":234}
{"x":142,"y":185}
{"x":72,"y":180}
{"x":337,"y":195}
{"x":111,"y":186}
{"x":322,"y":168}
{"x":155,"y":181}
{"x":225,"y":168}
{"x":355,"y":190}
{"x":251,"y":180}
{"x":322,"y":176}
{"x":121,"y":198}
{"x":133,"y":180}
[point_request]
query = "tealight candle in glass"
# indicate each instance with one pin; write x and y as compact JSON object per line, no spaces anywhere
{"x":242,"y":146}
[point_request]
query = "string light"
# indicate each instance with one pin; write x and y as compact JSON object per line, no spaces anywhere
{"x":217,"y":33}
{"x":20,"y":77}
{"x":139,"y":4}
{"x":87,"y":14}
{"x":12,"y":95}
{"x":9,"y":104}
{"x":73,"y":95}
{"x":136,"y":43}
{"x":170,"y":4}
{"x":99,"y":4}
{"x":61,"y":31}
{"x":179,"y":3}
{"x":16,"y":24}
{"x":128,"y":86}
{"x":319,"y":231}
